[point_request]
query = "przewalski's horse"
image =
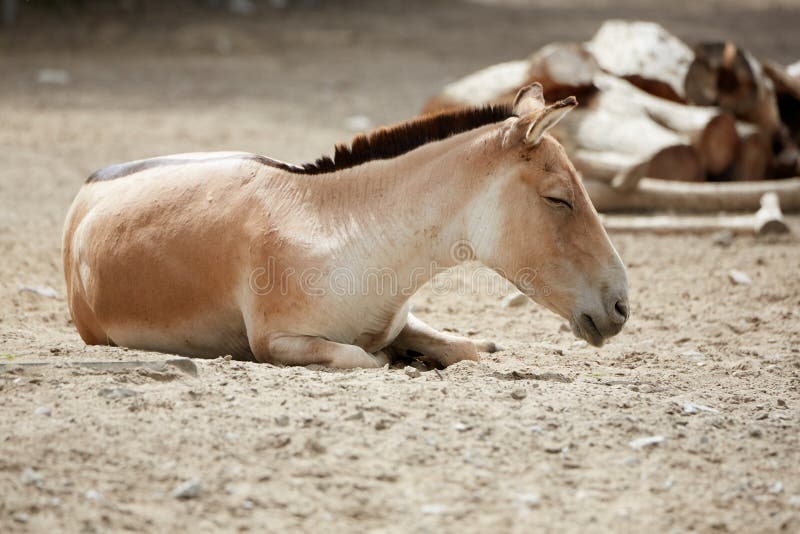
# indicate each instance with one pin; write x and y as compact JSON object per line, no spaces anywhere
{"x":234,"y":253}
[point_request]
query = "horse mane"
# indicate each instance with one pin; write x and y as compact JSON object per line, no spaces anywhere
{"x":393,"y":141}
{"x":385,"y":143}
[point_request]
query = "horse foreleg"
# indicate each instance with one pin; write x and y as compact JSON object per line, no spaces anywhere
{"x":442,"y":348}
{"x":287,"y":349}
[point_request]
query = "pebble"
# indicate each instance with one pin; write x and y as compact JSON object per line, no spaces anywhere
{"x":46,"y":411}
{"x":776,"y":488}
{"x":383,"y":424}
{"x":117,"y":393}
{"x":756,"y":432}
{"x":53,"y":76}
{"x":647,"y":441}
{"x":531,"y":500}
{"x":739,"y":278}
{"x":42,"y":291}
{"x":433,"y":509}
{"x":515,"y":300}
{"x":692,"y":408}
{"x":282,"y":420}
{"x":519,"y":394}
{"x":30,"y":477}
{"x":358,"y":123}
{"x":93,"y":495}
{"x":191,"y":489}
{"x":723,"y":239}
{"x":412,"y":372}
{"x":693,"y":355}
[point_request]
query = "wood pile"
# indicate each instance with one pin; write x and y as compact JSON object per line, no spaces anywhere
{"x":661,"y":125}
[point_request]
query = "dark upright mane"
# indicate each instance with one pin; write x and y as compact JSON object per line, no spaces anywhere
{"x":394,"y":141}
{"x":384,"y":143}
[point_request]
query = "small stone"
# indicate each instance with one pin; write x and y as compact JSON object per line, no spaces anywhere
{"x":227,"y":357}
{"x":693,"y":355}
{"x":782,"y":403}
{"x":461,"y":427}
{"x":412,"y":372}
{"x":383,"y":424}
{"x":515,"y":300}
{"x":315,"y":446}
{"x":191,"y":489}
{"x":21,"y":517}
{"x":357,"y":416}
{"x":580,"y":344}
{"x":692,"y":408}
{"x":433,"y":509}
{"x":794,"y":500}
{"x":647,"y":441}
{"x":358,"y":123}
{"x":42,"y":291}
{"x":93,"y":495}
{"x":723,"y":239}
{"x":531,"y":500}
{"x":248,"y":504}
{"x":553,"y":448}
{"x":776,"y":488}
{"x":282,"y":420}
{"x":53,"y":76}
{"x":117,"y":393}
{"x":739,"y":278}
{"x":519,"y":394}
{"x":756,"y":432}
{"x":45,"y":411}
{"x":29,"y":477}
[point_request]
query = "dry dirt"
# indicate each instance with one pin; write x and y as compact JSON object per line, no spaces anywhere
{"x":535,"y":438}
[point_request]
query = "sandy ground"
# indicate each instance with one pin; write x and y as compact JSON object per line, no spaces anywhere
{"x":532,"y":439}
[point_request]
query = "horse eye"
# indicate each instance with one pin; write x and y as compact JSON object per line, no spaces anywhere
{"x":558,"y":202}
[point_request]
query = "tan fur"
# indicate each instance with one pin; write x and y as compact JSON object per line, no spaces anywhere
{"x":178,"y":258}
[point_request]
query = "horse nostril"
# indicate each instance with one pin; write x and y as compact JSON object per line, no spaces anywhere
{"x":622,"y":308}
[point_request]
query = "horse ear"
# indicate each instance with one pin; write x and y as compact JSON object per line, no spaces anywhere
{"x":547,"y":118}
{"x":529,"y":99}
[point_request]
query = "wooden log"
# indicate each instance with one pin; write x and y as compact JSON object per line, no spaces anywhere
{"x":645,"y":54}
{"x":652,"y":194}
{"x":563,"y":69}
{"x":752,"y":159}
{"x":718,"y":143}
{"x":727,"y":76}
{"x":767,"y":220}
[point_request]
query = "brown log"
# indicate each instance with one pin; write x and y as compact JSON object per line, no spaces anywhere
{"x":752,"y":159}
{"x":712,"y":132}
{"x":645,"y":54}
{"x":705,"y":197}
{"x":718,"y":143}
{"x":727,"y":76}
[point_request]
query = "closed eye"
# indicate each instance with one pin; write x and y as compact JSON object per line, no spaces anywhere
{"x":558,"y":202}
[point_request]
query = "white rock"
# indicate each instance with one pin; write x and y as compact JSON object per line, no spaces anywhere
{"x":692,"y":408}
{"x":413,"y":372}
{"x":42,"y":291}
{"x":647,"y":441}
{"x":46,"y":411}
{"x":93,"y":495}
{"x":514,"y":300}
{"x":358,"y":123}
{"x":529,"y":499}
{"x":53,"y":76}
{"x":739,"y":278}
{"x":776,"y":488}
{"x":31,"y":477}
{"x":191,"y":489}
{"x":433,"y":509}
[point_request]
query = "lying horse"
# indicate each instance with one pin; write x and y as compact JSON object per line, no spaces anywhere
{"x":235,"y":253}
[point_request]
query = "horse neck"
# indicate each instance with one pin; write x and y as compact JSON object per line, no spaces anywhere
{"x":410,"y":213}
